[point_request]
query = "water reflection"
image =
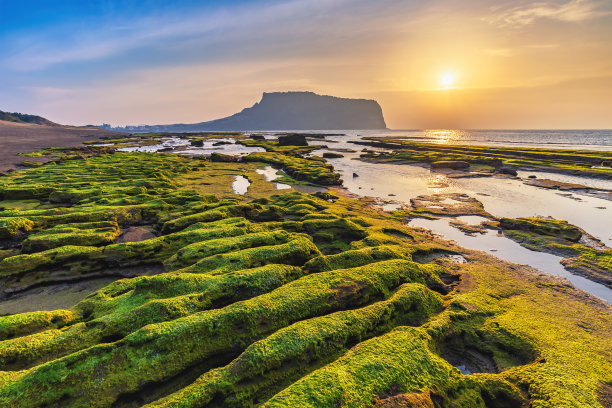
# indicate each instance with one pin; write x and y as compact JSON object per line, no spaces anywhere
{"x":442,"y":136}
{"x":271,"y":174}
{"x":167,"y":143}
{"x":221,"y":145}
{"x":504,"y":248}
{"x":501,"y":196}
{"x":241,"y":185}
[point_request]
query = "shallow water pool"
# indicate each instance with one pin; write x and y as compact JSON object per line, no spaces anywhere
{"x":504,"y":248}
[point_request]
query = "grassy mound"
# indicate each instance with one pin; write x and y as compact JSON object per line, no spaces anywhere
{"x":301,"y":300}
{"x":314,"y":171}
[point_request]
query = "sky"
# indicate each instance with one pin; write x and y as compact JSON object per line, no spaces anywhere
{"x":433,"y":64}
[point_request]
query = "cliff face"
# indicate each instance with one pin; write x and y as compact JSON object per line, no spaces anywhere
{"x":304,"y":110}
{"x":291,"y":111}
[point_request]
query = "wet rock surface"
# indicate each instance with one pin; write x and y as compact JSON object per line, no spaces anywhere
{"x":453,"y":204}
{"x":135,"y":234}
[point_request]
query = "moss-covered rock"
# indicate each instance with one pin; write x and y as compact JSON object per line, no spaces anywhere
{"x":314,"y":171}
{"x":284,"y":300}
{"x":289,"y":353}
{"x":543,"y":226}
{"x":13,"y":227}
{"x":561,"y":238}
{"x":84,"y":234}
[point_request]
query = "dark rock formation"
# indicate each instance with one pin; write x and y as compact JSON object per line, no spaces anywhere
{"x":507,"y":170}
{"x":288,"y":111}
{"x":331,"y":155}
{"x":224,"y":158}
{"x":292,"y":140}
{"x":450,"y":164}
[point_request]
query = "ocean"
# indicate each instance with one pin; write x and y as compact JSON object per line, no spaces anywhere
{"x":551,"y":139}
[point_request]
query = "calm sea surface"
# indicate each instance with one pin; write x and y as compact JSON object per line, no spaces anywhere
{"x":552,"y":139}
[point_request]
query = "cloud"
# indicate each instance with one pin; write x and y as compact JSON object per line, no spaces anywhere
{"x":543,"y":46}
{"x":512,"y":52}
{"x":47,"y":92}
{"x":205,"y":33}
{"x":572,"y":11}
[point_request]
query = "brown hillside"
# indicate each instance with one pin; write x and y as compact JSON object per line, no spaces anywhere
{"x":25,"y":137}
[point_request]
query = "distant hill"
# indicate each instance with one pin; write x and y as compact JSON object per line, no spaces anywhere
{"x":288,"y":111}
{"x":25,"y":118}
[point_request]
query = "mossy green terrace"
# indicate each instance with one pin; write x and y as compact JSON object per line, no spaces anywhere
{"x":273,"y":300}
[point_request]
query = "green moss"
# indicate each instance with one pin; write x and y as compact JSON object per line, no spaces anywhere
{"x":560,"y":238}
{"x":19,"y":204}
{"x":353,"y":258}
{"x":162,"y":350}
{"x":31,"y":191}
{"x":214,"y":212}
{"x":192,"y":253}
{"x":84,"y":234}
{"x":22,"y":324}
{"x":259,"y":314}
{"x":543,"y":226}
{"x":30,"y":163}
{"x":400,"y":358}
{"x":160,"y":248}
{"x":295,"y":252}
{"x":11,"y":228}
{"x":69,"y":256}
{"x":6,"y":253}
{"x":301,"y":169}
{"x":111,"y":314}
{"x":273,"y":146}
{"x":295,"y":350}
{"x":491,"y":157}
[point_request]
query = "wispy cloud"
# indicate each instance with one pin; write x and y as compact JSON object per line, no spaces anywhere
{"x":522,"y":49}
{"x":47,"y":92}
{"x":574,"y":10}
{"x":223,"y":31}
{"x":197,"y":60}
{"x":543,"y":46}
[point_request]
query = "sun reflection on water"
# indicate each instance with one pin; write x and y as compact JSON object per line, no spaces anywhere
{"x":443,"y":136}
{"x":437,"y":183}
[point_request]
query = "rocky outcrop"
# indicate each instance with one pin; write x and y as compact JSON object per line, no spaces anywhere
{"x":450,"y":164}
{"x":292,"y":140}
{"x":288,"y":111}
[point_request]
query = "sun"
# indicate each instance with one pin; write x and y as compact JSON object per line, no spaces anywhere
{"x":447,"y":79}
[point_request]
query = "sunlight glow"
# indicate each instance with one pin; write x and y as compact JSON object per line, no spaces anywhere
{"x":445,"y":136}
{"x":447,"y":79}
